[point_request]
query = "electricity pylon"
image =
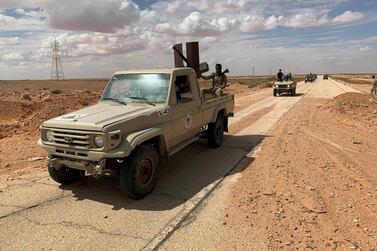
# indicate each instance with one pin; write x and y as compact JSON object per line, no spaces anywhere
{"x":57,"y":72}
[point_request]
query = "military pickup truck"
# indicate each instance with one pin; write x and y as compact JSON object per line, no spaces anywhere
{"x":286,"y":86}
{"x":310,"y":78}
{"x":141,"y":118}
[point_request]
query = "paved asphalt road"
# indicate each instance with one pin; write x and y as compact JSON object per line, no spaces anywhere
{"x":37,"y":213}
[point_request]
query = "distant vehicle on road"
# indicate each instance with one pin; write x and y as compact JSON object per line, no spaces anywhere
{"x":310,"y":78}
{"x":326,"y":76}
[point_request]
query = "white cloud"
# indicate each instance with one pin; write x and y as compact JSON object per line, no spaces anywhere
{"x":86,"y":15}
{"x":13,"y":57}
{"x":19,"y":3}
{"x":372,"y":39}
{"x":252,"y":23}
{"x":9,"y":41}
{"x":195,"y":24}
{"x":8,"y":23}
{"x":306,"y":20}
{"x":89,"y":44}
{"x":348,"y":17}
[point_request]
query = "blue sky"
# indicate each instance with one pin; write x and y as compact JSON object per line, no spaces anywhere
{"x":100,"y":37}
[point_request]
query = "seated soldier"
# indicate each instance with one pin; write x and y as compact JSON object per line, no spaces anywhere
{"x":219,"y":81}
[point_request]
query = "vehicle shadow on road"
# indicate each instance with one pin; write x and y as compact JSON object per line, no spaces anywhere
{"x":189,"y":171}
{"x":288,"y":95}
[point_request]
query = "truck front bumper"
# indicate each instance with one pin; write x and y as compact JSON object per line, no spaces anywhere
{"x":279,"y":90}
{"x":92,"y":168}
{"x":87,"y":155}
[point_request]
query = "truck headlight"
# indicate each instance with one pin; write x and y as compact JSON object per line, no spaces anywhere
{"x":289,"y":86}
{"x":99,"y":141}
{"x":49,"y":135}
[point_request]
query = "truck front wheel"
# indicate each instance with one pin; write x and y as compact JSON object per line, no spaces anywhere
{"x":64,"y":175}
{"x":215,"y":132}
{"x":139,"y":177}
{"x":274,"y":93}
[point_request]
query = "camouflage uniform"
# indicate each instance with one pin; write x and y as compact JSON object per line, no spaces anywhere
{"x":374,"y":87}
{"x":219,"y":82}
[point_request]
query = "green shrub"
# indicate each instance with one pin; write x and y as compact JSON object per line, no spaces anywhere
{"x":84,"y":102}
{"x":56,"y":91}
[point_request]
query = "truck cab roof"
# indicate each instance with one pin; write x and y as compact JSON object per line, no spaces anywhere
{"x":156,"y":71}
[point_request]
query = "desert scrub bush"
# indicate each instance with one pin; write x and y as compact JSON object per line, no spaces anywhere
{"x":84,"y":102}
{"x":56,"y":91}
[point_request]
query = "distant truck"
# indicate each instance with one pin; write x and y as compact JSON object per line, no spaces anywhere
{"x":310,"y":78}
{"x":142,"y":117}
{"x":288,"y":85}
{"x":325,"y":76}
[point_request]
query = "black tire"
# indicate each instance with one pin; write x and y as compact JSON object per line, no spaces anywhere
{"x":294,"y":92}
{"x":64,"y":175}
{"x":215,"y":132}
{"x":139,"y":176}
{"x":274,"y":93}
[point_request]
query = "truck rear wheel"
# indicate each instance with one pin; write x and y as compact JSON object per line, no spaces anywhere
{"x":215,"y":132}
{"x":64,"y":175}
{"x":139,"y":177}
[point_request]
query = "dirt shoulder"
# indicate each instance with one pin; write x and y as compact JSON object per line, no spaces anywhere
{"x":313,"y":185}
{"x":9,"y":86}
{"x":361,"y":82}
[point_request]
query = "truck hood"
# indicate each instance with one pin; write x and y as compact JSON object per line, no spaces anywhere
{"x":96,"y":117}
{"x":289,"y":82}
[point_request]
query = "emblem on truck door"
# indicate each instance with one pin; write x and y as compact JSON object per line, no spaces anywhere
{"x":188,"y":121}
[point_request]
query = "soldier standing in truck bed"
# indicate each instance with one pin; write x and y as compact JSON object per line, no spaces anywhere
{"x":219,"y":80}
{"x":280,"y":76}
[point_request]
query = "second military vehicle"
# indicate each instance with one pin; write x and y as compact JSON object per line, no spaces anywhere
{"x":288,"y":85}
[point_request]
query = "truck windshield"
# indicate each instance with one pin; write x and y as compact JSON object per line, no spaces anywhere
{"x":131,"y":88}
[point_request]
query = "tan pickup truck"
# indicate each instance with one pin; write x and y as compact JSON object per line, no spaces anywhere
{"x":141,"y":118}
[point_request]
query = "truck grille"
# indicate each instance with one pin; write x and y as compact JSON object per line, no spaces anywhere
{"x":283,"y":86}
{"x":71,"y":138}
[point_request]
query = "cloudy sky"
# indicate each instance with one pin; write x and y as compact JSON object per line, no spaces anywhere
{"x":98,"y":37}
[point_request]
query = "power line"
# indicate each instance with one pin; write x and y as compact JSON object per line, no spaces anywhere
{"x":57,"y":72}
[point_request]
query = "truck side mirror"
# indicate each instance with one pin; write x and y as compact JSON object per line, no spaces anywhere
{"x":226,"y":71}
{"x":203,"y":67}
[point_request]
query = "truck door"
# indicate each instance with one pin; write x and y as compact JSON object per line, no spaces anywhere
{"x":186,"y":108}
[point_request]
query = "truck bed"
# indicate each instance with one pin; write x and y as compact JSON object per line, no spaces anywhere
{"x":211,"y":104}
